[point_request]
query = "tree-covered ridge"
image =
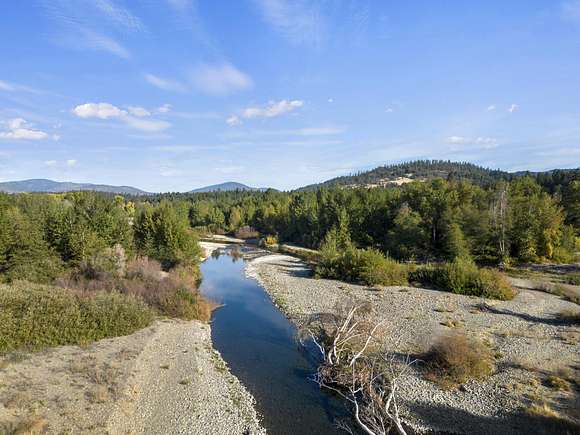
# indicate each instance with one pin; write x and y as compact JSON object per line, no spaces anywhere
{"x":519,"y":220}
{"x":429,"y":169}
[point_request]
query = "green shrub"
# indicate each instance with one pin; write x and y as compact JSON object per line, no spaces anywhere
{"x":34,"y":316}
{"x":376,"y":269}
{"x":368,"y":266}
{"x":463,"y":277}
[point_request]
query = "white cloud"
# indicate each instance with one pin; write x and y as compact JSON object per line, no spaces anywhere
{"x":71,"y":162}
{"x":138,"y":111}
{"x":18,"y":128}
{"x":481,"y":141}
{"x":491,"y":108}
{"x":513,"y":108}
{"x":98,"y":110}
{"x":330,"y":100}
{"x":165,"y":84}
{"x":109,"y":111}
{"x":150,"y":125}
{"x":166,"y":108}
{"x":50,"y":163}
{"x":390,"y":110}
{"x":234,"y":120}
{"x":272,"y":109}
{"x":299,"y":21}
{"x":220,"y":79}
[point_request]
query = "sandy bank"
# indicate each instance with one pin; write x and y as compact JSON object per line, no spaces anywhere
{"x":166,"y":379}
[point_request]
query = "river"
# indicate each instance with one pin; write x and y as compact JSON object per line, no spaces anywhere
{"x":259,"y":345}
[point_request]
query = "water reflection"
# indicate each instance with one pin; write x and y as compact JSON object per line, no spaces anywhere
{"x":259,"y":345}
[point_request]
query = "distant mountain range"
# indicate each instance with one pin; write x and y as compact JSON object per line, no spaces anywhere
{"x":50,"y":186}
{"x":42,"y":185}
{"x":382,"y":176}
{"x":230,"y":185}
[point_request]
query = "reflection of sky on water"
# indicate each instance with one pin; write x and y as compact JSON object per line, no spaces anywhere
{"x":259,"y":344}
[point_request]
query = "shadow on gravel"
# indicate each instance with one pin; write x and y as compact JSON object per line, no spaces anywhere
{"x":528,"y":317}
{"x":513,"y":424}
{"x":296,"y":270}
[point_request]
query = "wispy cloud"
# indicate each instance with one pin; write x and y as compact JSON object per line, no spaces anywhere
{"x":480,"y":141}
{"x":220,"y":79}
{"x":234,"y":120}
{"x":18,"y":128}
{"x":165,"y":84}
{"x":299,"y":21}
{"x":135,"y":117}
{"x":14,"y":87}
{"x":513,"y":108}
{"x":270,"y":110}
{"x":491,"y":108}
{"x":94,"y":25}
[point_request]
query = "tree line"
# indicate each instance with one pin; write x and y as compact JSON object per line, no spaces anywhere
{"x":523,"y":220}
{"x":42,"y":236}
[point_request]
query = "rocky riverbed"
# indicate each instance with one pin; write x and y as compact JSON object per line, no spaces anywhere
{"x":529,"y":341}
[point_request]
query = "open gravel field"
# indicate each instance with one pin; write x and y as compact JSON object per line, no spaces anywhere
{"x":163,"y":379}
{"x":529,"y":341}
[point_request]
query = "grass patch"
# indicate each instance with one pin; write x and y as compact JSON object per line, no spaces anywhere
{"x":455,"y":359}
{"x":34,"y":316}
{"x":463,"y":277}
{"x":573,"y":278}
{"x":558,"y":383}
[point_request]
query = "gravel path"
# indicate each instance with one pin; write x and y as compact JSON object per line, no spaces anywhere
{"x":529,"y":341}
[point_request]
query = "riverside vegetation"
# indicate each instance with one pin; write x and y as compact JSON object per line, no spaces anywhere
{"x":82,"y":266}
{"x":144,"y":251}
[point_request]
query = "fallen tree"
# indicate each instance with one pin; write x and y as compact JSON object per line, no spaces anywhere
{"x":356,"y":368}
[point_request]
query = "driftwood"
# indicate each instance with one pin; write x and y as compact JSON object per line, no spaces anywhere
{"x":368,"y":381}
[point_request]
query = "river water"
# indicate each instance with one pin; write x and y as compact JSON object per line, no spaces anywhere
{"x":259,"y":345}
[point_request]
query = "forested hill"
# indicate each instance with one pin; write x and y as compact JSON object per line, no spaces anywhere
{"x":49,"y":186}
{"x":227,"y":186}
{"x":422,"y":170}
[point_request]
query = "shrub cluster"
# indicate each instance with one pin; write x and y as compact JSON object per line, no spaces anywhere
{"x":368,"y":266}
{"x":462,"y":276}
{"x":171,"y":294}
{"x":34,"y":316}
{"x":455,"y":359}
{"x":246,"y":233}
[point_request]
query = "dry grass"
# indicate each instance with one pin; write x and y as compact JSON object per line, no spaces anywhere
{"x":456,"y":358}
{"x":98,"y":394}
{"x":558,"y":383}
{"x":29,"y":426}
{"x":543,"y":410}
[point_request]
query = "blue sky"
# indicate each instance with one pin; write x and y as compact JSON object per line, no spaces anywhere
{"x":176,"y":94}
